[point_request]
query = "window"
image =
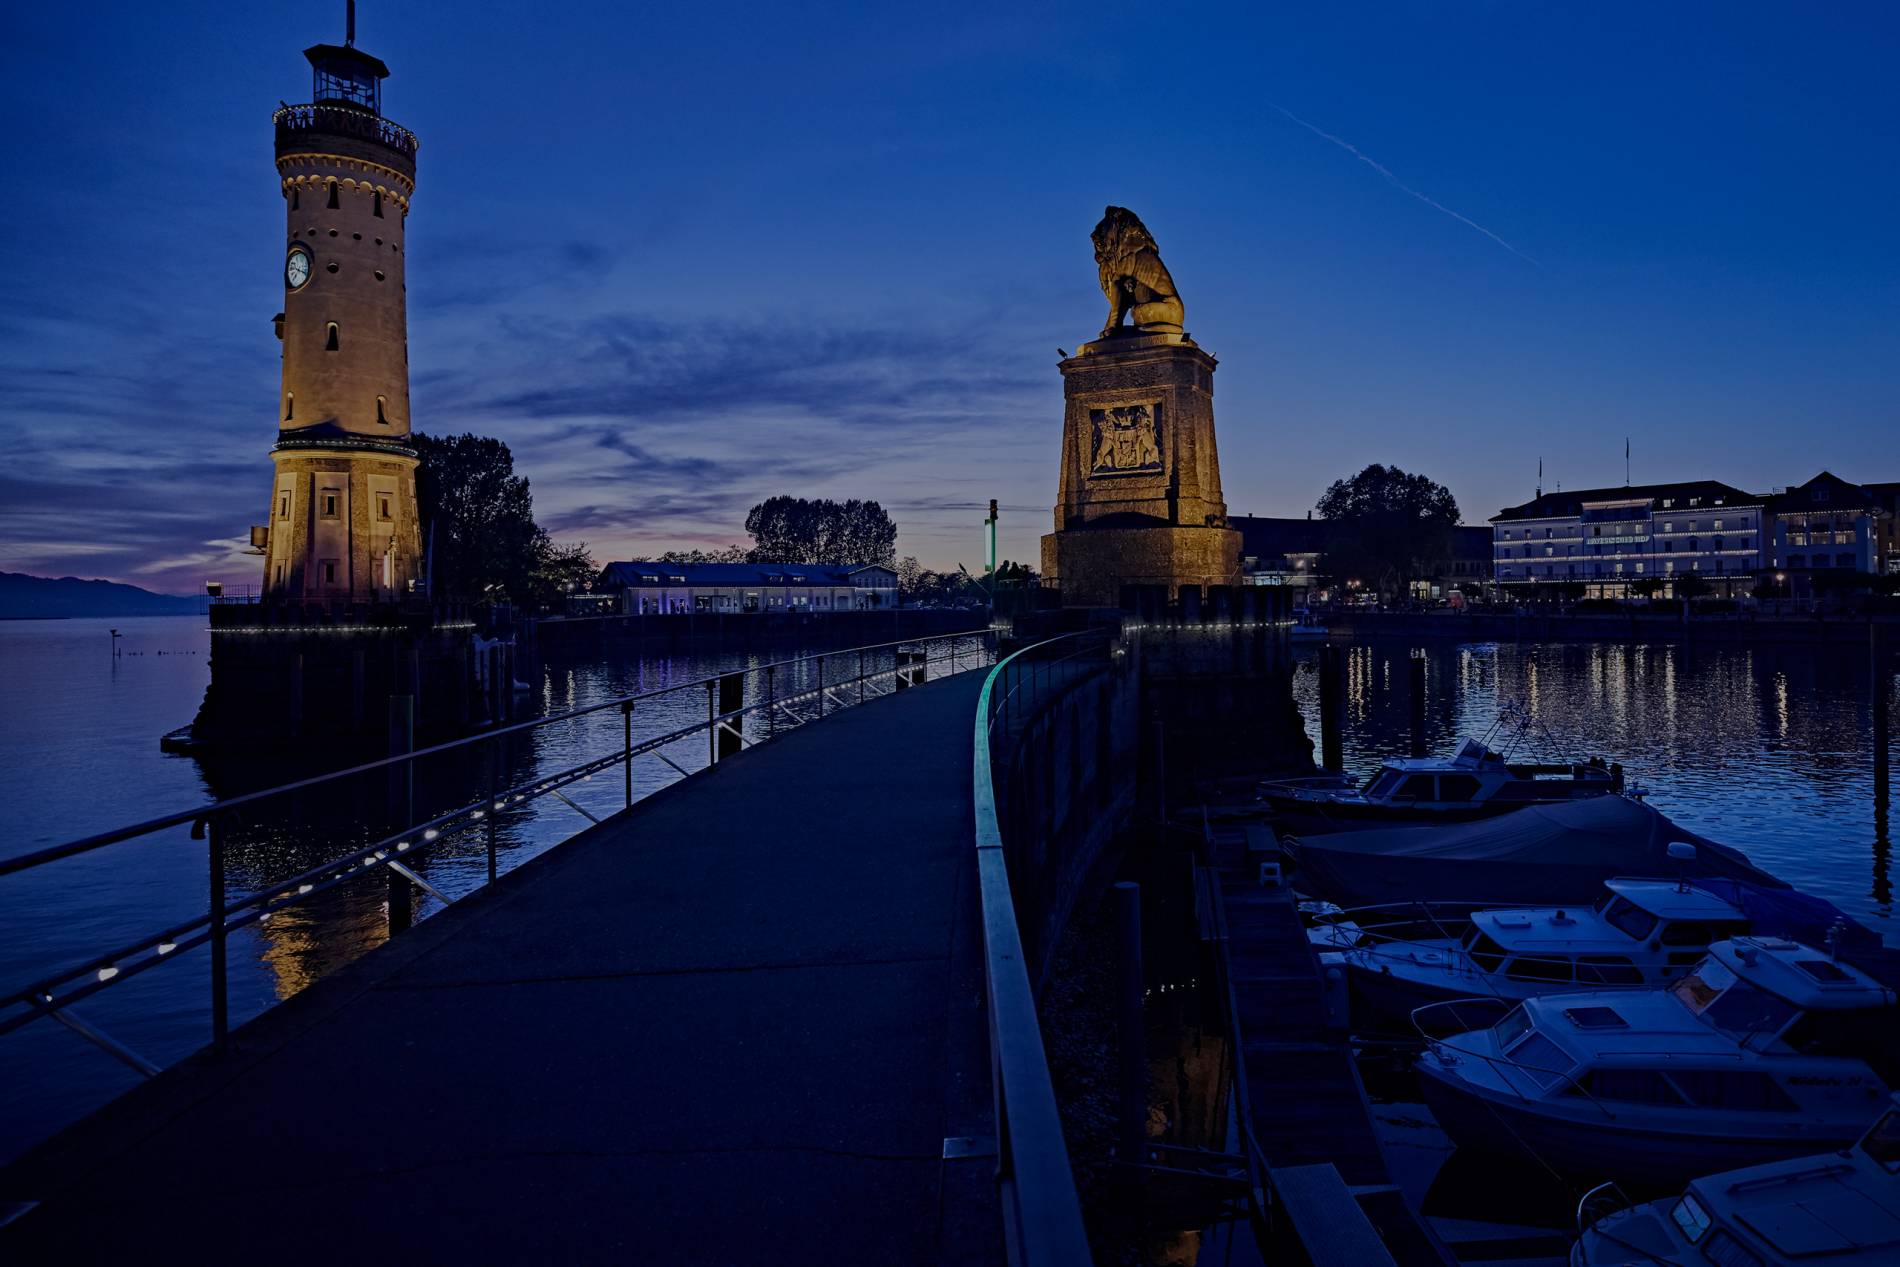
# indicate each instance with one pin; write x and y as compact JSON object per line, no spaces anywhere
{"x":330,"y":344}
{"x":1542,"y":1059}
{"x":290,"y":406}
{"x":1457,"y":787}
{"x":381,"y":416}
{"x":377,"y":206}
{"x":382,"y":507}
{"x":1732,"y":1089}
{"x":1417,"y":787}
{"x":1632,"y":1086}
{"x":1607,"y":970}
{"x":333,"y":199}
{"x":283,"y":504}
{"x":1724,"y":1250}
{"x":1538,"y":968}
{"x":1629,"y":918}
{"x":1797,"y":560}
{"x":1691,"y":1218}
{"x":329,"y":501}
{"x":1718,"y":528}
{"x":329,"y":571}
{"x":1487,"y":954}
{"x":1817,"y":495}
{"x":293,"y":197}
{"x":1843,"y":560}
{"x":1694,"y":544}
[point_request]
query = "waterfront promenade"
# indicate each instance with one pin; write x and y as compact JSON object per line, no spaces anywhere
{"x":736,"y":1023}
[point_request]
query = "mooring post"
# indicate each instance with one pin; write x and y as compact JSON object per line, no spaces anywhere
{"x":1331,"y":703}
{"x":1880,"y":684}
{"x":1417,"y":702}
{"x":712,"y":724}
{"x":402,"y":802}
{"x":494,"y":801}
{"x":1131,"y":1025}
{"x":731,"y":700}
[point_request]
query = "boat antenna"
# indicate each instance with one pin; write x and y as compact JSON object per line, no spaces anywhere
{"x":349,"y":28}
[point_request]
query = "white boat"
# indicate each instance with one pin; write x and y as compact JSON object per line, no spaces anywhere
{"x":1761,"y":1053}
{"x":1834,"y":1210}
{"x":1405,"y":955}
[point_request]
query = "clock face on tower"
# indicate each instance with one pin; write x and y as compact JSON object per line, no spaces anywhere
{"x":297,"y":268}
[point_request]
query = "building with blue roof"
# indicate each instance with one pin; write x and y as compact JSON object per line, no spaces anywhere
{"x":647,"y":588}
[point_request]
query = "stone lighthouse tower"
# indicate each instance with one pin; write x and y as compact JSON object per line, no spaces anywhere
{"x":343,"y":530}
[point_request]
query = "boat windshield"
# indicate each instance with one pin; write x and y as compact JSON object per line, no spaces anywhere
{"x":1730,"y":1004}
{"x":1512,"y":1027}
{"x":1882,"y":1142}
{"x":1384,"y":783}
{"x":1627,"y":917}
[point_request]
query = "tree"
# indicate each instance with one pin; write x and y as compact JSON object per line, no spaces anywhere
{"x":731,"y":554}
{"x":819,"y":530}
{"x":909,"y":574}
{"x":1386,"y":527}
{"x":1691,"y":585}
{"x":563,"y":570}
{"x":478,"y":519}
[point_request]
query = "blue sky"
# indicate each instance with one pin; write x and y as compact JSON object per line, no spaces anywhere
{"x":684,"y":257}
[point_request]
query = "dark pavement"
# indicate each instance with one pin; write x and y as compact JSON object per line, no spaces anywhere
{"x":735,"y":1024}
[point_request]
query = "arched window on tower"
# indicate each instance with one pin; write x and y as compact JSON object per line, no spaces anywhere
{"x":381,"y":415}
{"x":293,"y":197}
{"x":290,"y":405}
{"x":378,"y":205}
{"x":333,"y":201}
{"x":330,"y":345}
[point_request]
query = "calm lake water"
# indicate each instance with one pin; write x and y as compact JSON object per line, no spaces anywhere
{"x":1767,"y":749}
{"x":79,"y":754}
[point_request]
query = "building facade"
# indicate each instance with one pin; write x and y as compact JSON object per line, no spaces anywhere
{"x":678,"y":589}
{"x":343,"y":529}
{"x":1828,"y":527}
{"x":1625,"y":542}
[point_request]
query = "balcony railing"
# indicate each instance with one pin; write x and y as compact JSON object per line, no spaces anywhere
{"x":292,"y":121}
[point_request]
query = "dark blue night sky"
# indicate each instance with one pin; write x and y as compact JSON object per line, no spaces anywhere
{"x":681,"y":257}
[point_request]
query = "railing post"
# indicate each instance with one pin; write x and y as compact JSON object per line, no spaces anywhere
{"x":712,"y":723}
{"x":860,"y":675}
{"x":626,"y":722}
{"x":402,"y":739}
{"x":220,"y":993}
{"x":771,"y":700}
{"x":494,"y":802}
{"x":821,"y":686}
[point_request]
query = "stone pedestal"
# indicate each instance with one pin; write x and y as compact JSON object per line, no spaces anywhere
{"x":1140,"y":500}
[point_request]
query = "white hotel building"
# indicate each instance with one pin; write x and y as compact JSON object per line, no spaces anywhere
{"x":1615,"y":541}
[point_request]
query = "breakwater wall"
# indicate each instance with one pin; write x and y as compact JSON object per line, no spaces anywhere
{"x":1637,"y":625}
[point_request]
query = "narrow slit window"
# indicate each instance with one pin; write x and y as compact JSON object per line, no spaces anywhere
{"x":382,"y":507}
{"x":283,"y":505}
{"x":377,"y":206}
{"x":290,"y":405}
{"x":294,"y":200}
{"x":333,"y":199}
{"x":329,"y":505}
{"x":329,"y":572}
{"x":382,"y":416}
{"x":330,"y":344}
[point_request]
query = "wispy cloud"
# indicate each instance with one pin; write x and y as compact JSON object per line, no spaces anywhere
{"x":1400,"y":185}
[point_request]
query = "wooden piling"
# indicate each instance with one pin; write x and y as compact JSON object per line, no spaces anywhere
{"x":1416,"y":701}
{"x":1332,"y":699}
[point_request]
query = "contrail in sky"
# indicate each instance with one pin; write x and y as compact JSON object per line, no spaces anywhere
{"x":1380,"y":168}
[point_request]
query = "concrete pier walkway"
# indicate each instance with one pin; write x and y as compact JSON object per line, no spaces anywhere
{"x":735,"y":1024}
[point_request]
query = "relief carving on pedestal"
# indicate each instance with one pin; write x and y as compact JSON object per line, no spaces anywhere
{"x":1125,"y":441}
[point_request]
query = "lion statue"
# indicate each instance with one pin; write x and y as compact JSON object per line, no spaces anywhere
{"x":1134,"y":279}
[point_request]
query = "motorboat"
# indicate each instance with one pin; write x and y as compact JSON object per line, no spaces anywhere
{"x":1766,"y":1050}
{"x":1306,"y":627}
{"x":1546,"y":855}
{"x":1475,"y":781}
{"x":1640,"y":932}
{"x":1832,"y":1209}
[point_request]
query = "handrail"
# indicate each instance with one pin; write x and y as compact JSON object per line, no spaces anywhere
{"x":50,"y":994}
{"x":1042,"y":1212}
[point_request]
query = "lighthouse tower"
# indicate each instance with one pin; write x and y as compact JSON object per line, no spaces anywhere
{"x":343,"y":530}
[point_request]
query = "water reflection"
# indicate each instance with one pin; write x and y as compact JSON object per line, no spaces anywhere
{"x":1766,"y":748}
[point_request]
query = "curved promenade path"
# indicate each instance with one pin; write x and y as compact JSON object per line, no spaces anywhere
{"x":734,"y":1024}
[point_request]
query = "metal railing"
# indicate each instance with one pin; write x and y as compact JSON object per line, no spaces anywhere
{"x":292,"y":121}
{"x":1042,"y":1213}
{"x":881,"y":669}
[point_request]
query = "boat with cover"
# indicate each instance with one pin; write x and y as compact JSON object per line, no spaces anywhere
{"x":1833,"y":1209}
{"x":1547,"y":855}
{"x":1767,"y":1050}
{"x":1475,"y":781}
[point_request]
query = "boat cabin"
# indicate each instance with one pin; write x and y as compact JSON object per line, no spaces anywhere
{"x":1639,"y":932}
{"x":1474,"y":772}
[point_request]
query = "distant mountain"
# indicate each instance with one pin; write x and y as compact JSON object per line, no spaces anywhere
{"x":23,"y":595}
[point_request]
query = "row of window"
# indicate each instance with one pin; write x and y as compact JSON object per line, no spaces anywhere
{"x":1821,"y":561}
{"x":334,"y":203}
{"x":1718,"y":567}
{"x":1624,"y":529}
{"x":328,"y":505}
{"x":1666,"y":546}
{"x":290,"y":398}
{"x":355,"y":236}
